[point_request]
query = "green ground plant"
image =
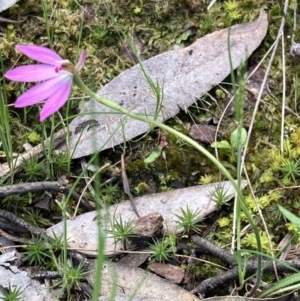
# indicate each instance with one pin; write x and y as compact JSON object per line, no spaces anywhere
{"x":162,"y":250}
{"x":11,"y":294}
{"x":33,"y":170}
{"x":5,"y":129}
{"x":72,"y":277}
{"x":290,"y":283}
{"x":290,"y":169}
{"x":190,"y":221}
{"x":60,"y":164}
{"x":37,"y":253}
{"x":220,"y":196}
{"x":110,"y":194}
{"x":121,"y":231}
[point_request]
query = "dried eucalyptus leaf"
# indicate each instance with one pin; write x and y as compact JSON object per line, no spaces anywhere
{"x":5,"y":4}
{"x":140,"y":283}
{"x":83,"y":230}
{"x":183,"y":76}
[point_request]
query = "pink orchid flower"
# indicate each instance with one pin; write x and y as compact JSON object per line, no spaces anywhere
{"x":55,"y":74}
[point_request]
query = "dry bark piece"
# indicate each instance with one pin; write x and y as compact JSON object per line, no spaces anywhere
{"x":168,"y":271}
{"x":148,"y":225}
{"x":87,"y":11}
{"x":45,"y":202}
{"x":184,"y":75}
{"x":83,"y":230}
{"x":134,"y":260}
{"x":5,"y":4}
{"x":285,"y":247}
{"x":255,"y":81}
{"x":203,"y":133}
{"x":128,"y":281}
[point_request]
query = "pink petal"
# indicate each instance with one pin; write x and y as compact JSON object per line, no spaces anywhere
{"x":56,"y":100}
{"x":31,"y":73}
{"x":40,"y":54}
{"x":43,"y":90}
{"x":81,"y":61}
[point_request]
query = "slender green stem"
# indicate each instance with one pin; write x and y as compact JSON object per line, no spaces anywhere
{"x":187,"y":139}
{"x":44,"y":6}
{"x":156,"y":123}
{"x":5,"y":133}
{"x":65,"y":240}
{"x":100,"y":261}
{"x":240,"y":204}
{"x":100,"y":236}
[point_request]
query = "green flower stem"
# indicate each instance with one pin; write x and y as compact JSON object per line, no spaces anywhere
{"x":187,"y":139}
{"x":120,"y":109}
{"x":240,"y":204}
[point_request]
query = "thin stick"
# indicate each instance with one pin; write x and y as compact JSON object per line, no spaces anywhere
{"x":30,"y":187}
{"x":126,"y":185}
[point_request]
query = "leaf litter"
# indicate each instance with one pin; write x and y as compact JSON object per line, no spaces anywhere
{"x":116,"y":276}
{"x":82,"y":230}
{"x":182,"y":76}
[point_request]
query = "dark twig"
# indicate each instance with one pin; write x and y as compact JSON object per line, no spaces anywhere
{"x":18,"y":221}
{"x":251,"y":268}
{"x":4,"y":225}
{"x":30,"y":187}
{"x":209,"y":248}
{"x":79,"y":258}
{"x":40,"y":273}
{"x":12,"y":21}
{"x":52,"y":186}
{"x":76,"y":197}
{"x":212,"y":283}
{"x":126,"y":185}
{"x":189,"y":275}
{"x":13,"y":238}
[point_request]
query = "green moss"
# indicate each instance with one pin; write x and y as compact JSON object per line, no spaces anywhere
{"x":250,"y":241}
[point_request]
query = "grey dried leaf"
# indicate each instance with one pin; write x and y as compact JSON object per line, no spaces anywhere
{"x":125,"y":281}
{"x":83,"y":230}
{"x":168,"y":271}
{"x":184,"y":75}
{"x":5,"y":4}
